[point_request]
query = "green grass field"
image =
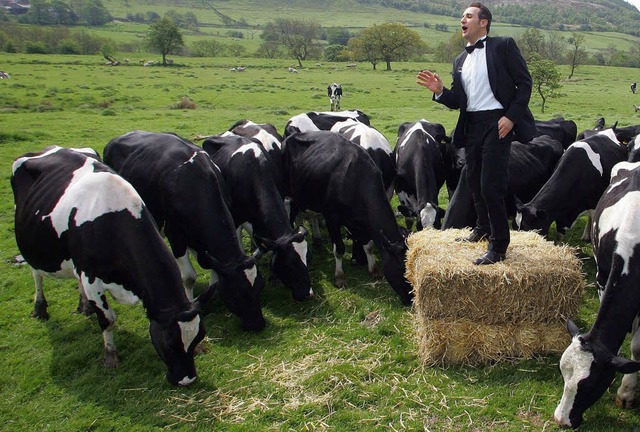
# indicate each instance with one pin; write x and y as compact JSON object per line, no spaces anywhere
{"x":316,"y":366}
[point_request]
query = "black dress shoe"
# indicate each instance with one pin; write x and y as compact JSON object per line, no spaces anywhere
{"x":475,"y":237}
{"x":489,"y":257}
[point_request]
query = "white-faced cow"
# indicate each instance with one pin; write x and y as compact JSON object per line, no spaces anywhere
{"x":75,"y":217}
{"x":255,"y":199}
{"x":315,"y":121}
{"x":591,"y":361}
{"x":420,"y":172}
{"x":575,"y":186}
{"x":333,"y":176}
{"x":182,"y":188}
{"x":376,"y":146}
{"x":530,"y":166}
{"x":334,"y":91}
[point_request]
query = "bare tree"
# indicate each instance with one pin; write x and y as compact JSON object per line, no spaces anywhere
{"x":297,"y":36}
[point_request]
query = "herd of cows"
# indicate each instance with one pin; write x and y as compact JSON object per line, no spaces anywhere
{"x":102,"y":220}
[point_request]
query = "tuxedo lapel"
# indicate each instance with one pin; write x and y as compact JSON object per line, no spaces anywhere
{"x":491,"y":64}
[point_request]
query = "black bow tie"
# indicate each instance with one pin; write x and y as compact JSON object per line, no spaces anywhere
{"x":478,"y":45}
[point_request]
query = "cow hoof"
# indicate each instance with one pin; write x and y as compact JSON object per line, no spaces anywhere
{"x":41,"y":315}
{"x":625,"y":403}
{"x":111,"y":360}
{"x":340,"y":283}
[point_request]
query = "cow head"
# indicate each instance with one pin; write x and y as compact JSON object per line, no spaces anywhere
{"x":394,"y":268}
{"x":588,"y":369}
{"x":429,"y":216}
{"x":175,"y":337}
{"x":240,"y":288}
{"x":290,"y":262}
{"x":529,"y":218}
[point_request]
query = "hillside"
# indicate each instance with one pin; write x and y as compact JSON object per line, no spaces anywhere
{"x":582,"y":15}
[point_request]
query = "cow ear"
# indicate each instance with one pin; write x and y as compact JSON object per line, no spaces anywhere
{"x":625,"y":366}
{"x":572,"y":328}
{"x":211,"y":145}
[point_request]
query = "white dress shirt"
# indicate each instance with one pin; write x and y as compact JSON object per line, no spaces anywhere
{"x":475,"y":81}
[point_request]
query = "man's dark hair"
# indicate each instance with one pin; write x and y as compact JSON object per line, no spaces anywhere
{"x":485,"y":13}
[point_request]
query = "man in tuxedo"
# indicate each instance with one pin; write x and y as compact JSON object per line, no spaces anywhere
{"x":491,"y":88}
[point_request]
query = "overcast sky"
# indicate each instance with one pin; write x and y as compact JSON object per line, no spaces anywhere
{"x":636,"y":3}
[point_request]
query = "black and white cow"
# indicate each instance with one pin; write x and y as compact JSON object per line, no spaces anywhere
{"x":315,"y":121}
{"x":564,"y":131}
{"x":182,"y":188}
{"x":627,"y":134}
{"x":591,"y":361}
{"x":420,"y":172}
{"x":333,"y":176}
{"x":75,"y":217}
{"x":633,"y":149}
{"x":530,"y":166}
{"x":255,"y":199}
{"x":575,"y":186}
{"x":376,"y":145}
{"x":334,"y":91}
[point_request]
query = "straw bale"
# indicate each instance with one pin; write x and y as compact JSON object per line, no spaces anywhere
{"x":539,"y":282}
{"x":465,"y":342}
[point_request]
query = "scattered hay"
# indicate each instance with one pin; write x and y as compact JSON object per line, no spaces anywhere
{"x":473,"y":314}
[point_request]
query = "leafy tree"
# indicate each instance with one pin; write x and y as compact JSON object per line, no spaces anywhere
{"x":531,"y":42}
{"x":338,"y":36}
{"x":164,"y":36}
{"x":91,"y":12}
{"x":208,"y":48}
{"x":577,"y":55}
{"x":388,"y":42}
{"x":269,"y":49}
{"x":545,"y":76}
{"x":364,"y":50}
{"x":336,"y":52}
{"x":296,"y":35}
{"x":446,"y":52}
{"x":236,"y":49}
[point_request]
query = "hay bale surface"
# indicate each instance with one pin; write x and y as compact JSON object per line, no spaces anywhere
{"x":538,"y":282}
{"x":470,"y":314}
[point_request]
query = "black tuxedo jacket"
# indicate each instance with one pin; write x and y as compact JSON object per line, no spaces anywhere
{"x":510,"y":83}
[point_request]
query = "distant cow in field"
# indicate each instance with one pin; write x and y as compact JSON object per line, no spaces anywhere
{"x":183,"y":189}
{"x":75,"y":217}
{"x":334,"y":91}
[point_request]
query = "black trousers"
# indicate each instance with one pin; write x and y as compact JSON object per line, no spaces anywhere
{"x":487,"y":160}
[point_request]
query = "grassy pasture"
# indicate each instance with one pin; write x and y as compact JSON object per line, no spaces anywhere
{"x":345,"y":360}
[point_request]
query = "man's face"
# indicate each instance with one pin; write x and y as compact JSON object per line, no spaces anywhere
{"x":473,"y":28}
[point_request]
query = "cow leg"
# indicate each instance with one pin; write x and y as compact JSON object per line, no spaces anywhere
{"x":187,"y":273}
{"x":586,"y":234}
{"x":39,"y":302}
{"x":626,"y":395}
{"x":96,"y":294}
{"x":84,"y":305}
{"x":371,"y":258}
{"x":338,"y":252}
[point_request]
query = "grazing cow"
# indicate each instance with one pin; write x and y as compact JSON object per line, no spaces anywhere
{"x":329,"y":174}
{"x":182,"y":188}
{"x":564,"y":131}
{"x":575,"y":186}
{"x":376,"y":146}
{"x":530,"y":166}
{"x":75,"y":217}
{"x":334,"y":91}
{"x":590,"y":362}
{"x":293,"y":70}
{"x":315,"y":121}
{"x":420,"y":172}
{"x":4,"y":75}
{"x":627,"y":134}
{"x":255,"y":199}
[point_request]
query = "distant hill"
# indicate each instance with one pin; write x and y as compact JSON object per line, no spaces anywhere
{"x":582,"y":15}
